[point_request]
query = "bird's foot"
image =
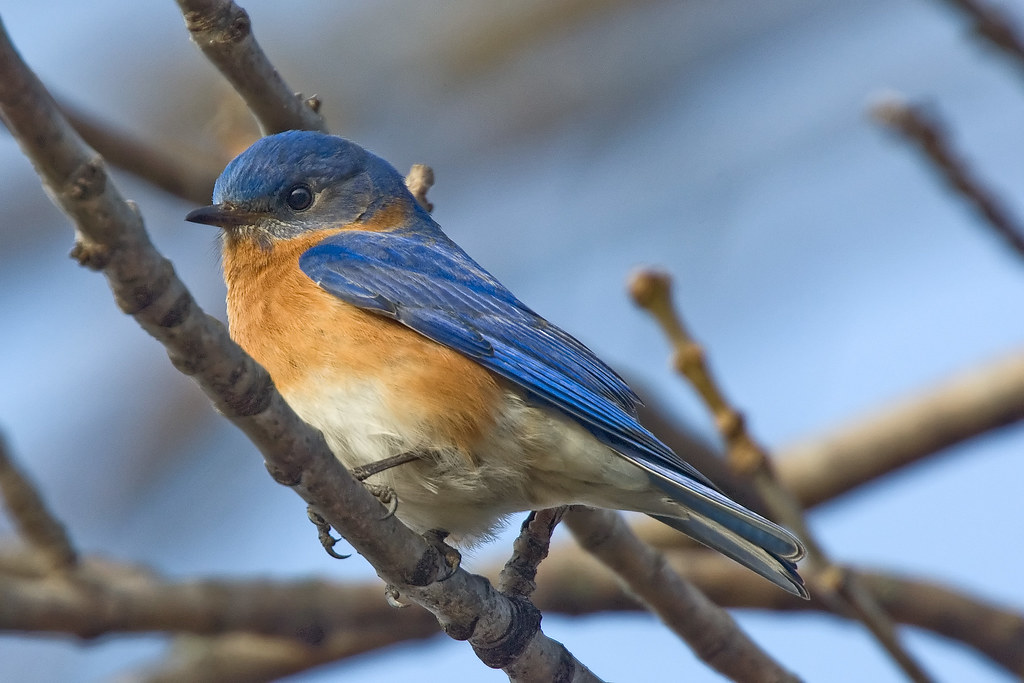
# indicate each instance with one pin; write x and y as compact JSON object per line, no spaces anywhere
{"x":452,"y":557}
{"x":386,"y":495}
{"x":323,"y":531}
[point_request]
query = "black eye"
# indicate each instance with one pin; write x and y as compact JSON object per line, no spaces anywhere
{"x":299,"y":197}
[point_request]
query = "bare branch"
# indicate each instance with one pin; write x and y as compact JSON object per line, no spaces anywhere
{"x":223,"y":31}
{"x":109,"y":598}
{"x":103,"y":597}
{"x":182,"y":174}
{"x":994,"y":25}
{"x":819,"y":468}
{"x":35,"y":523}
{"x":707,"y":628}
{"x":652,"y":292}
{"x":248,"y":658}
{"x":530,"y":548}
{"x":111,"y":238}
{"x":573,"y":583}
{"x":897,"y":435}
{"x":925,"y":130}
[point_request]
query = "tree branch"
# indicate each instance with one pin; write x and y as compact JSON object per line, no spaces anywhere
{"x":329,"y":621}
{"x":111,"y":238}
{"x":32,"y":518}
{"x":995,"y":26}
{"x":517,"y":577}
{"x":573,"y":583}
{"x":223,"y":31}
{"x":708,"y":629}
{"x":925,"y":130}
{"x":652,"y":292}
{"x":819,"y":469}
{"x":182,"y":174}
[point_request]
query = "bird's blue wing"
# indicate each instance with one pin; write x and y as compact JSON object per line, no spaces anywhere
{"x":429,"y":284}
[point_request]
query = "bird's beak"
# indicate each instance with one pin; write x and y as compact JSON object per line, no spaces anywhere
{"x":222,"y":216}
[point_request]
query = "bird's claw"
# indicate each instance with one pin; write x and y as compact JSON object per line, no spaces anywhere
{"x":323,"y":532}
{"x":387,"y":497}
{"x":452,"y":557}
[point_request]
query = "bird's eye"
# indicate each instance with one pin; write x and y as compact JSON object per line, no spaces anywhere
{"x":299,"y":197}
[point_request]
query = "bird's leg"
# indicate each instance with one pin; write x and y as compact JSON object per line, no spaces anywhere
{"x":364,"y":472}
{"x":385,"y":494}
{"x":323,"y":530}
{"x":452,"y":557}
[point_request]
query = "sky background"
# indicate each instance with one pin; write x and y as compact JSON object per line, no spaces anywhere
{"x":826,"y":269}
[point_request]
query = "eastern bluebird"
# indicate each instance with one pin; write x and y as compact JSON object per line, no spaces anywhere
{"x":382,"y":333}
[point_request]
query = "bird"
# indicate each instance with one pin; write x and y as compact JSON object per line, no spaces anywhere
{"x":381,"y":332}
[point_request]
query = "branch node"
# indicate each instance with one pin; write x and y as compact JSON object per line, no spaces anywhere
{"x":90,"y":254}
{"x":88,"y":180}
{"x":649,"y":288}
{"x":419,"y":181}
{"x":313,"y":102}
{"x":524,"y":622}
{"x":285,"y":477}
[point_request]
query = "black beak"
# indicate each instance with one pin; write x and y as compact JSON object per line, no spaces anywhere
{"x":222,"y":216}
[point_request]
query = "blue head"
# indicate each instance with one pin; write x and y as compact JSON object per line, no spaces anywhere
{"x":297,"y":181}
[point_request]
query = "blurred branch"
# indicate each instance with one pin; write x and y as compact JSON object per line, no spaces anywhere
{"x":652,"y":292}
{"x":707,"y":628}
{"x":248,"y":658}
{"x":318,"y":621}
{"x":925,"y":130}
{"x":995,"y":26}
{"x":820,"y":468}
{"x":111,"y":238}
{"x":901,"y":433}
{"x":223,"y":31}
{"x":573,"y":583}
{"x":34,"y":522}
{"x":237,"y":658}
{"x":103,"y":597}
{"x":182,"y":174}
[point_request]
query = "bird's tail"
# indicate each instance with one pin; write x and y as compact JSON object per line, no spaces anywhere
{"x":736,"y":532}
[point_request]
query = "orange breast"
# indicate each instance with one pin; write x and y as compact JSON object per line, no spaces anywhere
{"x":301,"y":334}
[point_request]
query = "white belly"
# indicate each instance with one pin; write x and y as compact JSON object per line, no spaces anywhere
{"x":533,"y":458}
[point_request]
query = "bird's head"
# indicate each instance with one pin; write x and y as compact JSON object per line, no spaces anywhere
{"x":298,"y":181}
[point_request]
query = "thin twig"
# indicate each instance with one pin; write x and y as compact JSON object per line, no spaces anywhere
{"x":708,"y":629}
{"x":652,"y":292}
{"x":111,"y":238}
{"x":223,"y":31}
{"x":924,"y":129}
{"x":35,"y":523}
{"x":994,"y":25}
